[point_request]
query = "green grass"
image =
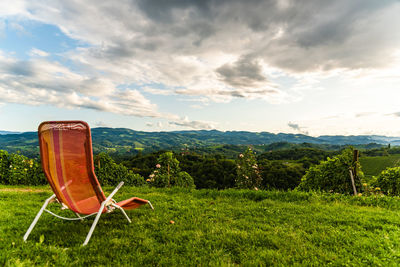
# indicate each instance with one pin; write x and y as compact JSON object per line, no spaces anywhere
{"x":230,"y":227}
{"x":373,"y":166}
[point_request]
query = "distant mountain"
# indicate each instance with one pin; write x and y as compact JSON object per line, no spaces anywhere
{"x":7,"y":132}
{"x":124,"y":140}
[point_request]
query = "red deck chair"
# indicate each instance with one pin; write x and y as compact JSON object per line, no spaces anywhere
{"x":67,"y":161}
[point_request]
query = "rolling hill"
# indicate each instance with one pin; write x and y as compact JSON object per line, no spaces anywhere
{"x":124,"y":140}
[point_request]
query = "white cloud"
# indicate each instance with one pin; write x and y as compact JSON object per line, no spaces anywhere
{"x":156,"y":91}
{"x":185,"y":122}
{"x":38,"y":52}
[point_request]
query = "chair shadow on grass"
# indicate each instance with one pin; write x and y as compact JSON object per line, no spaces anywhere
{"x":62,"y":233}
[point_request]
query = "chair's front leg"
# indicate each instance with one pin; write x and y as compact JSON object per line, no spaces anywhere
{"x":38,"y":216}
{"x":94,"y":224}
{"x":103,"y":204}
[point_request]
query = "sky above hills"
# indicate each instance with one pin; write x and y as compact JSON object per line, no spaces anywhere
{"x":311,"y":67}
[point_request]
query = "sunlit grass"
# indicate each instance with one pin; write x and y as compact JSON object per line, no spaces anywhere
{"x":210,"y":228}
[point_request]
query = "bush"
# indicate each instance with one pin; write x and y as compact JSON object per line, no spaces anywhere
{"x":110,"y":173}
{"x":17,"y":169}
{"x":248,"y":174}
{"x":167,"y":173}
{"x":389,"y":181}
{"x":183,"y":179}
{"x":332,"y":175}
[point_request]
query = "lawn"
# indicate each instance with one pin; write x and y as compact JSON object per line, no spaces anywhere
{"x":229,"y":227}
{"x":373,"y":166}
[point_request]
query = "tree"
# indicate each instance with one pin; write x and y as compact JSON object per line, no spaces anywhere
{"x":248,"y":174}
{"x":333,"y":174}
{"x":278,"y":175}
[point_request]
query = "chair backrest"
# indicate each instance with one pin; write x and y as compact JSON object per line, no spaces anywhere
{"x":67,"y":161}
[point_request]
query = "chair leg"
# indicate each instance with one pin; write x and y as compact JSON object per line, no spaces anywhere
{"x":151,"y":206}
{"x":38,"y":216}
{"x":94,"y":224}
{"x":118,"y":207}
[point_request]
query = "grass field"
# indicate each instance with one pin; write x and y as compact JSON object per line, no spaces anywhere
{"x":230,"y":227}
{"x":373,"y":166}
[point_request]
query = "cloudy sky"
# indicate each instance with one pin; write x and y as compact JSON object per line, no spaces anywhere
{"x":300,"y":66}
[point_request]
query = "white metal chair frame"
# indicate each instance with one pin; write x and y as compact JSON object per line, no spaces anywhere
{"x":109,"y":204}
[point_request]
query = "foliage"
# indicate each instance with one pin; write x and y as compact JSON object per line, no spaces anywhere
{"x":210,"y":171}
{"x":280,"y":175}
{"x":18,"y":169}
{"x":212,"y":228}
{"x":248,"y":173}
{"x":333,"y":174}
{"x":389,"y":181}
{"x":313,"y":154}
{"x":168,"y":173}
{"x":110,"y":173}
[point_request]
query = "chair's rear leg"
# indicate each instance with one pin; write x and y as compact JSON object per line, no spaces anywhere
{"x":38,"y":216}
{"x":151,"y":206}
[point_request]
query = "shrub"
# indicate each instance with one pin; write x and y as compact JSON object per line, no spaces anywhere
{"x":17,"y":169}
{"x":248,"y":174}
{"x":111,"y":173}
{"x":167,"y":173}
{"x":183,"y":179}
{"x":389,"y":181}
{"x":332,"y":175}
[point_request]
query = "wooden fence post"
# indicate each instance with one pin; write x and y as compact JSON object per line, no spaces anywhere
{"x":352,"y":181}
{"x":353,"y":171}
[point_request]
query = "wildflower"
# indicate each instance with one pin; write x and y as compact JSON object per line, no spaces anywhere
{"x":255,"y":188}
{"x":147,"y":180}
{"x":254,"y":166}
{"x":25,"y":169}
{"x":247,"y":177}
{"x":377,"y":188}
{"x":241,"y":156}
{"x":158,"y":166}
{"x":359,"y":194}
{"x":365,"y":185}
{"x":151,"y":175}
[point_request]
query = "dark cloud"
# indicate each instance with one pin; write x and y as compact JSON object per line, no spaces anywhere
{"x":166,"y":11}
{"x":19,"y":68}
{"x":246,"y":72}
{"x":297,"y":128}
